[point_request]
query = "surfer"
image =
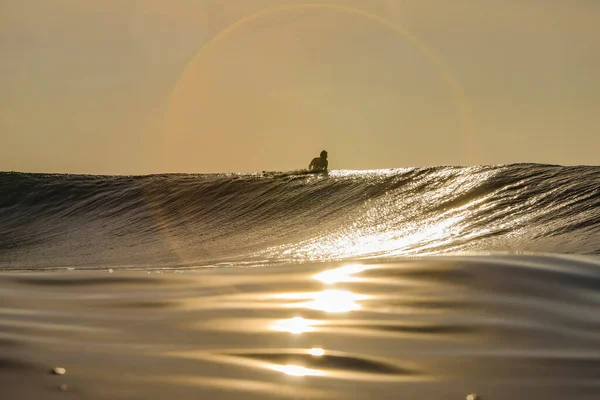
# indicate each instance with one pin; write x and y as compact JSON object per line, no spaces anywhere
{"x":319,"y":163}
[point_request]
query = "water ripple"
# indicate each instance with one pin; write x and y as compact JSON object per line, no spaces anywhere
{"x":419,"y":328}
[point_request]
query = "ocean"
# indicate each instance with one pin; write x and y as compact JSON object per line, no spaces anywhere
{"x":414,"y":283}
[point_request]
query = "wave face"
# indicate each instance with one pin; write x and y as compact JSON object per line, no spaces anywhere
{"x":176,"y":220}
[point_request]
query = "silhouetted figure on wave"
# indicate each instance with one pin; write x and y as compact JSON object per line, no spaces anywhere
{"x":319,"y":163}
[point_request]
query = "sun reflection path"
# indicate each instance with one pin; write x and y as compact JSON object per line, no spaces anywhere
{"x":296,"y":370}
{"x":316,"y":352}
{"x":296,"y":325}
{"x":335,"y":301}
{"x":330,"y":300}
{"x":342,"y":274}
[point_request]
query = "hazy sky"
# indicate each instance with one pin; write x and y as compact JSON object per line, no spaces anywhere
{"x":146,"y":86}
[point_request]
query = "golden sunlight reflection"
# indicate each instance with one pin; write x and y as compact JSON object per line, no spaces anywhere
{"x":389,"y":241}
{"x":331,"y":300}
{"x":342,"y":274}
{"x":296,"y":325}
{"x":296,"y":370}
{"x":316,"y":352}
{"x":335,"y":301}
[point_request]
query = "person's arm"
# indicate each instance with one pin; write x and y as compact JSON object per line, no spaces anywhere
{"x":325,"y":165}
{"x":311,"y":165}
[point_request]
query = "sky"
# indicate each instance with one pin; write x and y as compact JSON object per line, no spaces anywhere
{"x":201,"y":86}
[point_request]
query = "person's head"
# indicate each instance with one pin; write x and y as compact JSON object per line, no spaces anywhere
{"x":323,"y":154}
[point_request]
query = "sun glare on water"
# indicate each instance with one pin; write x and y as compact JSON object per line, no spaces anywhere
{"x":296,"y":325}
{"x":296,"y":370}
{"x":335,"y":301}
{"x":316,"y":352}
{"x":342,"y":274}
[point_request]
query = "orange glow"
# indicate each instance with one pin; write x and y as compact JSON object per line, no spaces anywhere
{"x":285,"y":95}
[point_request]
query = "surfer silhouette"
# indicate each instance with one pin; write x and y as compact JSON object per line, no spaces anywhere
{"x":319,"y":163}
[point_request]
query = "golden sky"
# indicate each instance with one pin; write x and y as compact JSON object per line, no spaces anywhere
{"x":147,"y":86}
